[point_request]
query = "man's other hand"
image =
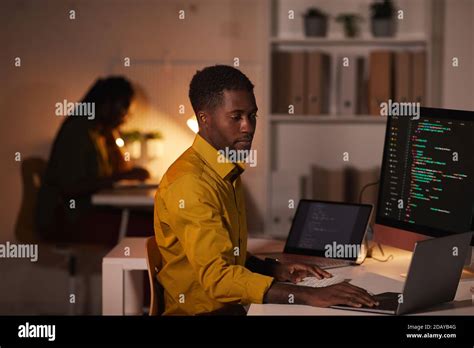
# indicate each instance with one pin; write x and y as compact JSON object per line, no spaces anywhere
{"x":339,"y":294}
{"x":295,"y":272}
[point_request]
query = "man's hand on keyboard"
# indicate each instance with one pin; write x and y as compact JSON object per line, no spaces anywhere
{"x":296,"y":272}
{"x":339,"y":294}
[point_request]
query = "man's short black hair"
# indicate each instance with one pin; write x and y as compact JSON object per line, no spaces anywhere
{"x":207,"y":86}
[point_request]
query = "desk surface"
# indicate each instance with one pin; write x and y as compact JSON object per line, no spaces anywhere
{"x":377,"y":277}
{"x":125,"y":197}
{"x":130,"y":253}
{"x":372,"y":275}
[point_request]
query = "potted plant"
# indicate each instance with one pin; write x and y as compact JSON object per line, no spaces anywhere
{"x":131,"y":136}
{"x":350,"y":21}
{"x":315,"y":22}
{"x":133,"y":142}
{"x":154,"y":144}
{"x":382,"y":23}
{"x":153,"y":135}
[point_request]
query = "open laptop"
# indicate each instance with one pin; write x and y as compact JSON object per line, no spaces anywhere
{"x":327,"y":234}
{"x":433,"y":276}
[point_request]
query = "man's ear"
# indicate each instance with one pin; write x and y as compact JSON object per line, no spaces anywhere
{"x":203,"y":118}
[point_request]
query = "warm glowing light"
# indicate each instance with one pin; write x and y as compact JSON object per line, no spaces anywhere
{"x":193,"y":124}
{"x":120,"y":142}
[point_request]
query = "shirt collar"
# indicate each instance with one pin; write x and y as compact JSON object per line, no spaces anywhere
{"x":225,"y":169}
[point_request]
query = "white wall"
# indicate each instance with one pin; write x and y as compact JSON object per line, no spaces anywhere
{"x":62,"y":57}
{"x":458,"y":81}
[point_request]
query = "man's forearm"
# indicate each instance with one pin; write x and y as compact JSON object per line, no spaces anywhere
{"x":286,"y":294}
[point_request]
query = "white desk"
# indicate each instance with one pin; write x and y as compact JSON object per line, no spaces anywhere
{"x":376,"y":277}
{"x":122,"y":273}
{"x":125,"y":199}
{"x":122,"y":285}
{"x":122,"y":291}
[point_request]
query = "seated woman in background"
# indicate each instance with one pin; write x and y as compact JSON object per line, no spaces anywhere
{"x":84,"y":159}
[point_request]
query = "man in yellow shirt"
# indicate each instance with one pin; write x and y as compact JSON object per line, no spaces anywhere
{"x":200,"y":216}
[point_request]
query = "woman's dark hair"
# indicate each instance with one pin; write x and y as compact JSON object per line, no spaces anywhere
{"x":114,"y":90}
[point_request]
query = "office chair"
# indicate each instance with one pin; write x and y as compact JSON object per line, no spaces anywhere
{"x":32,"y":170}
{"x":154,"y":262}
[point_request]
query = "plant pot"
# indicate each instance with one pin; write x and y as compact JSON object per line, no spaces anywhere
{"x":383,"y":27}
{"x":135,"y":149}
{"x":154,"y":148}
{"x":351,"y":30}
{"x":315,"y":26}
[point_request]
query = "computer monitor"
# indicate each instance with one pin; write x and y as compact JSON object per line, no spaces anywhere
{"x":427,"y":177}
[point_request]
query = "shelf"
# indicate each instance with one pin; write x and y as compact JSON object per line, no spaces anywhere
{"x":340,"y":119}
{"x":367,"y":41}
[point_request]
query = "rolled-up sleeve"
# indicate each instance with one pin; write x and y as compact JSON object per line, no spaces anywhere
{"x":196,"y":217}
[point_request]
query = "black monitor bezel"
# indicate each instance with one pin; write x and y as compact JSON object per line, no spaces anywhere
{"x":462,"y":115}
{"x":320,"y":253}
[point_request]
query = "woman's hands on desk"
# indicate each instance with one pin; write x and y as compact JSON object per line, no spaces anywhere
{"x":90,"y":186}
{"x":136,"y":173}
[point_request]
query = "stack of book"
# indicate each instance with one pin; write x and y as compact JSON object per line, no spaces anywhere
{"x":301,"y":81}
{"x":399,"y":76}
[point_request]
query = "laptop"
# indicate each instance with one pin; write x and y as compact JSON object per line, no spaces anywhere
{"x":433,"y":276}
{"x":327,"y":234}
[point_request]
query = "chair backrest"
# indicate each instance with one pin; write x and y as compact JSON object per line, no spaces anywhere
{"x":154,"y":262}
{"x":32,"y":170}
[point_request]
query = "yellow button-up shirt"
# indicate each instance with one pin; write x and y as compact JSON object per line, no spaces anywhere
{"x":201,"y":231}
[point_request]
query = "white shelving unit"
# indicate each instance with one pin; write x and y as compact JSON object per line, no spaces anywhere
{"x":367,"y":41}
{"x":283,"y":118}
{"x":284,"y":36}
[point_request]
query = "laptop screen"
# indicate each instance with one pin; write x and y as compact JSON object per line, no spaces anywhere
{"x":328,"y":229}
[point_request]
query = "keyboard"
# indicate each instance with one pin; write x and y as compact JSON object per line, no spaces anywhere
{"x":320,"y":283}
{"x":321,"y":262}
{"x":332,"y":263}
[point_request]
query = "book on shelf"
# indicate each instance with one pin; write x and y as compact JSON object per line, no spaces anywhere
{"x":350,"y":85}
{"x":419,"y":77}
{"x":288,"y":86}
{"x":403,"y":76}
{"x":380,"y":79}
{"x":318,"y":75}
{"x":396,"y":75}
{"x":301,"y":79}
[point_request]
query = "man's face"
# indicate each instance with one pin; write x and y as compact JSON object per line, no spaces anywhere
{"x":232,"y":124}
